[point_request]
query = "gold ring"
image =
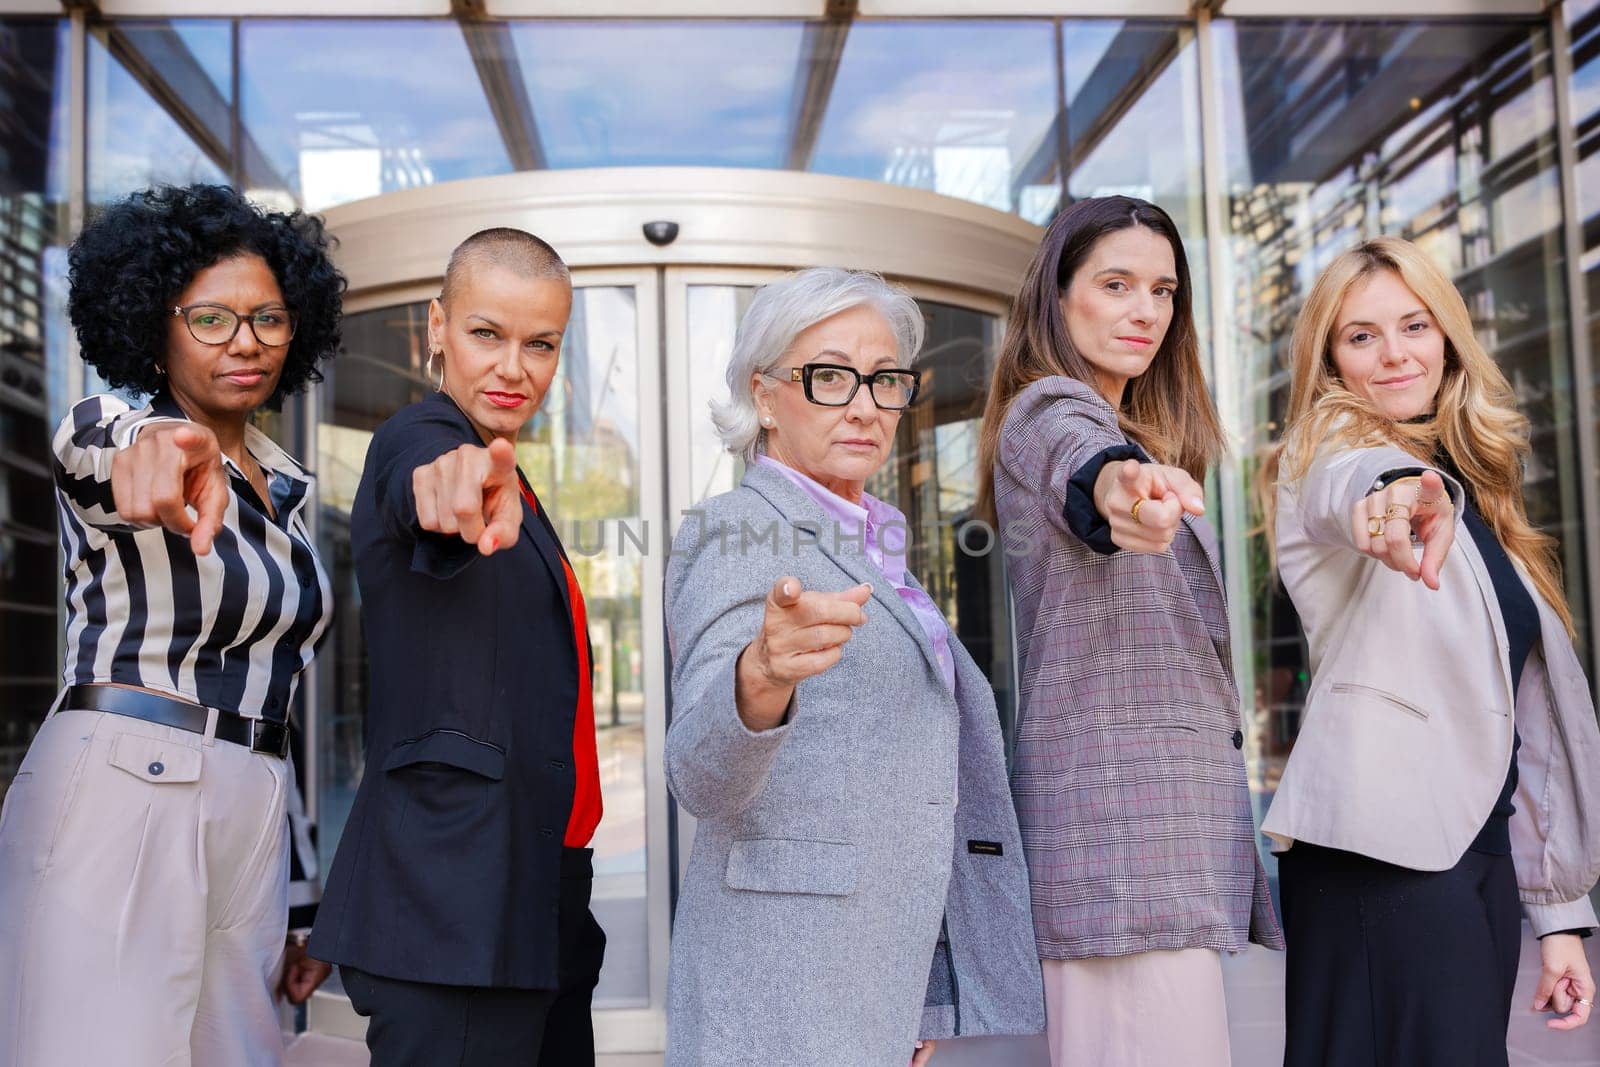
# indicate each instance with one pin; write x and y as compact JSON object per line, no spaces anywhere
{"x":1134,"y":511}
{"x":1396,"y":511}
{"x":1374,"y":526}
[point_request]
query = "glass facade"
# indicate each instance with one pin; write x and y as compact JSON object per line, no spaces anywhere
{"x":33,"y":226}
{"x":1274,"y":142}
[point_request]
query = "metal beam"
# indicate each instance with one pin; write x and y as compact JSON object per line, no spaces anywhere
{"x":160,"y":61}
{"x":1110,"y":91}
{"x":1102,"y":100}
{"x":494,"y":54}
{"x":392,"y":9}
{"x":821,"y":49}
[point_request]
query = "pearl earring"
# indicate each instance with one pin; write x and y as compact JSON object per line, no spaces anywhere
{"x":766,"y":421}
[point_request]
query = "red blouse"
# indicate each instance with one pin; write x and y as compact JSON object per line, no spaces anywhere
{"x":586,"y":804}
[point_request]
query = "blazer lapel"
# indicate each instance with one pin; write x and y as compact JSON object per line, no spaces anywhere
{"x":537,"y":529}
{"x":798,"y":508}
{"x":1208,"y":545}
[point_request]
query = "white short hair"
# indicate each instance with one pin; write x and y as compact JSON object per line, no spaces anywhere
{"x":781,"y":312}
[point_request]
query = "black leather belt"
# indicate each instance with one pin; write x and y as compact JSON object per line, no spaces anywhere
{"x":258,"y":735}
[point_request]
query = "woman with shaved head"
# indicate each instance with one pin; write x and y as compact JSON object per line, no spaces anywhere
{"x":458,"y":904}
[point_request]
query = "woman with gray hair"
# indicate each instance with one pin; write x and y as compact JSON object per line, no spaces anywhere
{"x":857,"y":886}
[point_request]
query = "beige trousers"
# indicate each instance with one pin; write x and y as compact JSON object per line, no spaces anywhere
{"x":1153,"y":1009}
{"x":143,"y":899}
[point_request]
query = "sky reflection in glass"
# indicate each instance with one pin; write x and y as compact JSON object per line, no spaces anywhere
{"x":356,"y":109}
{"x":958,"y":107}
{"x":609,"y":94}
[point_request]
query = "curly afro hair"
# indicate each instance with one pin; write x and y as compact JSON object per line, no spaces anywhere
{"x":129,"y":264}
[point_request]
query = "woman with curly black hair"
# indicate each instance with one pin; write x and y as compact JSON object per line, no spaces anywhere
{"x":145,"y":844}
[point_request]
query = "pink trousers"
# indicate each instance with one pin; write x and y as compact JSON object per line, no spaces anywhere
{"x":1153,"y":1009}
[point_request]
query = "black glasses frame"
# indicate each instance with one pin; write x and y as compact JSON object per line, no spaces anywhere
{"x":804,"y":374}
{"x":239,"y":320}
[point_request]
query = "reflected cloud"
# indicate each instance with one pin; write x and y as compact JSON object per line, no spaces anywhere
{"x":406,"y":89}
{"x":946,"y":106}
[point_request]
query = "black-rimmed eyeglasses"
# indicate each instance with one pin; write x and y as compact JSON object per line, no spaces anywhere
{"x":215,"y":324}
{"x":833,"y":385}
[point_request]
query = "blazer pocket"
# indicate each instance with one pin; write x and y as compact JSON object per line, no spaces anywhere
{"x":155,"y":760}
{"x":453,"y":749}
{"x":1380,"y":695}
{"x":793,"y":865}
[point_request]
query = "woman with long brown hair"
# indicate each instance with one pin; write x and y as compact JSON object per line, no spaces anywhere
{"x":1448,"y":757}
{"x":1128,"y":780}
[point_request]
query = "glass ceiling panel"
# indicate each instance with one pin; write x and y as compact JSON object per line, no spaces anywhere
{"x":133,"y":142}
{"x":661,"y":93}
{"x":211,"y":44}
{"x":345,"y":109}
{"x":958,"y":107}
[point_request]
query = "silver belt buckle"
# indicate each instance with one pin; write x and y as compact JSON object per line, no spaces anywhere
{"x":271,"y":738}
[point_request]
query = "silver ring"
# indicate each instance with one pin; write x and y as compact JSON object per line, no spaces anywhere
{"x":1585,"y":1003}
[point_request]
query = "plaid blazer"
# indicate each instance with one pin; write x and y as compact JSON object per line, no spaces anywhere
{"x":1129,"y":782}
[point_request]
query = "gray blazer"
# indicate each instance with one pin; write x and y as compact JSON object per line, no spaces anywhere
{"x":857,"y":878}
{"x":1128,"y":777}
{"x":1406,"y":734}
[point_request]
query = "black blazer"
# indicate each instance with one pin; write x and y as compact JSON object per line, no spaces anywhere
{"x":449,"y":868}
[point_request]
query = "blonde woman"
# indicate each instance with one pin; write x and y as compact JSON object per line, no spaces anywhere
{"x":1129,"y":785}
{"x":1448,"y":762}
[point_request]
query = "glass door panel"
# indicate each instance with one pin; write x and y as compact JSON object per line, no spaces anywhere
{"x":583,"y":458}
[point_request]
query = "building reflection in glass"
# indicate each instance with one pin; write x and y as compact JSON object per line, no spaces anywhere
{"x":33,"y":65}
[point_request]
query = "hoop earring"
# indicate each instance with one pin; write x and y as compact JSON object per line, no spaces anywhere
{"x":437,"y":353}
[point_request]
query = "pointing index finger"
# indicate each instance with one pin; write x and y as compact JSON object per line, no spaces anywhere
{"x":1436,"y":543}
{"x":1189,"y":491}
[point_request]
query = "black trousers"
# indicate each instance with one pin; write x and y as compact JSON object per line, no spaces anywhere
{"x":1390,"y":967}
{"x":422,"y":1024}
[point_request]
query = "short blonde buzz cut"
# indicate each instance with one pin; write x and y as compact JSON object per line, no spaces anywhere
{"x":503,"y":246}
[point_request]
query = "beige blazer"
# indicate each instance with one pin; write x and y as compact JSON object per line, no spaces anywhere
{"x":1407,"y":729}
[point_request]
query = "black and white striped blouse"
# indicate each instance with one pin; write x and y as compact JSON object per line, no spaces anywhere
{"x":232,"y":630}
